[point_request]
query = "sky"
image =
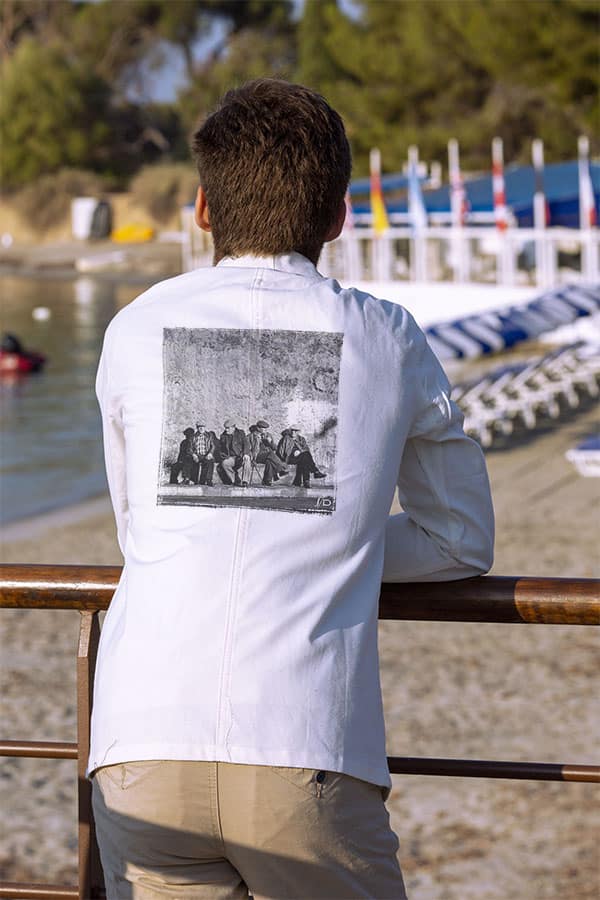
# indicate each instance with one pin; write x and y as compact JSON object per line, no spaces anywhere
{"x":162,"y":84}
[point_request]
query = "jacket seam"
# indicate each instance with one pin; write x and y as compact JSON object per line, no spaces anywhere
{"x":232,"y":596}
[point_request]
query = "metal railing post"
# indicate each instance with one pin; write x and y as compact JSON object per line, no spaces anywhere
{"x":90,"y":870}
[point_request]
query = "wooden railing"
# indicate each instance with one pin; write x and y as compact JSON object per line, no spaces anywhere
{"x":88,"y":589}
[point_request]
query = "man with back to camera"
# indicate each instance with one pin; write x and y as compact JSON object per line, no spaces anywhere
{"x":237,"y":733}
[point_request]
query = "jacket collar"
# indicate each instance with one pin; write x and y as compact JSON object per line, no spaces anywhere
{"x":293,"y":263}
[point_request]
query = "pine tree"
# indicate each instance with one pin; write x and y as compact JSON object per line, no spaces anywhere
{"x":316,"y":66}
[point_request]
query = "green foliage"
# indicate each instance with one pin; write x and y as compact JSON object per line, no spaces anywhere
{"x":69,"y":66}
{"x":52,"y":114}
{"x":316,"y":65}
{"x":104,"y":37}
{"x":112,"y":37}
{"x":42,"y":20}
{"x":162,"y":189}
{"x":421,"y":73}
{"x":252,"y":13}
{"x":399,"y":71}
{"x":47,"y":200}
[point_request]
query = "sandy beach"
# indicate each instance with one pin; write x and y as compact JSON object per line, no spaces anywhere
{"x":516,"y":692}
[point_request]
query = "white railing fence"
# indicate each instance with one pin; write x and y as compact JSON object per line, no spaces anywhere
{"x":517,"y":256}
{"x":481,"y":254}
{"x":196,"y":245}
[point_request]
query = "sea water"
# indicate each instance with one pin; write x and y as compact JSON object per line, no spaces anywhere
{"x":50,"y":432}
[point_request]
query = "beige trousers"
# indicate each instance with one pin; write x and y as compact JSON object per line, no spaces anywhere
{"x":219,"y":831}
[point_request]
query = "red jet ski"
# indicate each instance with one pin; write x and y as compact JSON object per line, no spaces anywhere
{"x":15,"y":360}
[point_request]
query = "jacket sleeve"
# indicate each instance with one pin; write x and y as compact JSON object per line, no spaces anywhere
{"x":114,"y":444}
{"x":446,"y":531}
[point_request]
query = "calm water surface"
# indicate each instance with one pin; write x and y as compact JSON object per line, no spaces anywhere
{"x":50,"y":433}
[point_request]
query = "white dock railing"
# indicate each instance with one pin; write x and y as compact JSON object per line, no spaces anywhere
{"x":517,"y":256}
{"x":481,"y":254}
{"x":196,"y":245}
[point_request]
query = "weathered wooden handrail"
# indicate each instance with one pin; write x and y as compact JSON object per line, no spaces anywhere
{"x":399,"y":765}
{"x":491,"y":598}
{"x":39,"y":749}
{"x":495,"y":598}
{"x":89,"y":589}
{"x":20,"y":891}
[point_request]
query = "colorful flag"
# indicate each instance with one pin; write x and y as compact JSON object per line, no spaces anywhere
{"x":378,"y":210}
{"x":458,"y":196}
{"x":541,"y":209}
{"x":416,"y":207}
{"x":500,"y":210}
{"x":587,"y":202}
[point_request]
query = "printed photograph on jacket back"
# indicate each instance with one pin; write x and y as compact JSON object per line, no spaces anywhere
{"x":250,"y":418}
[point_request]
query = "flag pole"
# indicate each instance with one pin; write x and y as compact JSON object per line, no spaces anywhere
{"x":505,"y":262}
{"x":587,"y":211}
{"x":418,"y":215}
{"x":351,"y":248}
{"x":458,"y":206}
{"x":543,"y":249}
{"x":587,"y":206}
{"x":498,"y":184}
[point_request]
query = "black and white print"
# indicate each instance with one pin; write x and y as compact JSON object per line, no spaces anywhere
{"x":250,"y":418}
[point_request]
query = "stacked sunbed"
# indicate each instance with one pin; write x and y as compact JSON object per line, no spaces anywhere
{"x":523,"y":394}
{"x":491,"y":332}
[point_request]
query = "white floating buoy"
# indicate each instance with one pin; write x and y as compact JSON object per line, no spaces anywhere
{"x":85,"y":289}
{"x":41,"y":313}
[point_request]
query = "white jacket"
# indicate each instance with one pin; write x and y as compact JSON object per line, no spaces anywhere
{"x":244,"y":627}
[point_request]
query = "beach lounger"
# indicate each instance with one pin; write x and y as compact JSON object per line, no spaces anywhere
{"x":586,"y":457}
{"x":539,"y":387}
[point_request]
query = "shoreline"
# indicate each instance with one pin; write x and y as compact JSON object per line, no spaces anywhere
{"x":57,"y":517}
{"x":68,"y":273}
{"x":135,"y":264}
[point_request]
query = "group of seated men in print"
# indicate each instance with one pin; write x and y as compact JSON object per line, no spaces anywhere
{"x":235,"y":454}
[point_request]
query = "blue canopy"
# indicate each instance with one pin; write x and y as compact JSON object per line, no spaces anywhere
{"x":394,"y":182}
{"x":561,"y":185}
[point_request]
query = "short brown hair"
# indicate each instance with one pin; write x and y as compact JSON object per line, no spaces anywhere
{"x":274,"y":162}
